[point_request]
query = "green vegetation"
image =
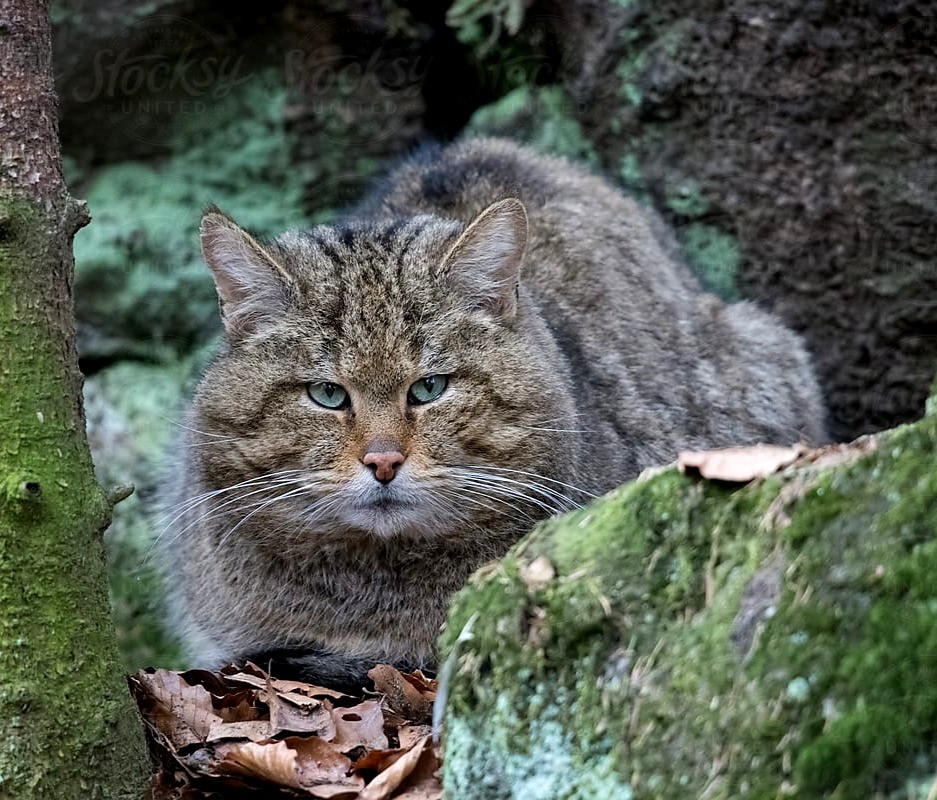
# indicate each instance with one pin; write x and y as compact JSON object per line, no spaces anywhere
{"x":144,"y":295}
{"x":713,"y":255}
{"x":772,"y":640}
{"x":543,"y":117}
{"x":134,"y":410}
{"x":141,"y":286}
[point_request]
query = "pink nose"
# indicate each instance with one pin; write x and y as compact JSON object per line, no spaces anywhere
{"x":384,"y":463}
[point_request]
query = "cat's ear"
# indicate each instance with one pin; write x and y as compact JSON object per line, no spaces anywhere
{"x":483,"y":266}
{"x":253,"y":289}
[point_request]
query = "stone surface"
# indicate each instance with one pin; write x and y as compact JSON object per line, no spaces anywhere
{"x":705,"y":640}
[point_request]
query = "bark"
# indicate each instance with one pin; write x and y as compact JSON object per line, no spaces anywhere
{"x":66,"y":720}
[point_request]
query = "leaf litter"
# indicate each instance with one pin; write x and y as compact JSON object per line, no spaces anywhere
{"x":739,"y":464}
{"x":241,"y":733}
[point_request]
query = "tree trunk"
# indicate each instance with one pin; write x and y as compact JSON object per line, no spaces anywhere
{"x":67,"y":725}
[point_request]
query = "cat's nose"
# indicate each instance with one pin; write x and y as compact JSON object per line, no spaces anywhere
{"x":384,"y":460}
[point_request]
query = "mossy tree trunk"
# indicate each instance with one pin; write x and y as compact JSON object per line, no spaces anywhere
{"x":67,"y":725}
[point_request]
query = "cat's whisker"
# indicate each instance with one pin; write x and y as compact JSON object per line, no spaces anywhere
{"x":529,"y":474}
{"x":462,"y":493}
{"x":214,"y":512}
{"x":194,"y":430}
{"x":531,"y":494}
{"x":513,"y":491}
{"x":247,"y":481}
{"x":554,"y":430}
{"x":216,"y":442}
{"x":563,"y":501}
{"x":561,"y":418}
{"x":305,"y":487}
{"x":187,"y":505}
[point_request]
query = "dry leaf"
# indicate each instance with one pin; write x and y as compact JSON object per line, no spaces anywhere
{"x":411,"y":699}
{"x":182,"y":712}
{"x":296,"y":713}
{"x":307,"y":689}
{"x":426,"y":789}
{"x":384,"y":784}
{"x":739,"y":464}
{"x":359,"y":726}
{"x":426,"y":685}
{"x":257,"y":730}
{"x":274,"y":762}
{"x":323,"y":770}
{"x":215,"y":734}
{"x":409,"y":735}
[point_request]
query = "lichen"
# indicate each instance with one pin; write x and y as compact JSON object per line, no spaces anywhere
{"x":771,"y":640}
{"x":686,"y":200}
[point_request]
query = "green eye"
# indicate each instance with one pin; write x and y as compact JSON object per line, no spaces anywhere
{"x":328,"y":395}
{"x":425,"y":390}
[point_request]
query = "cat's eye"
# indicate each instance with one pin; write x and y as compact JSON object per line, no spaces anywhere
{"x":328,"y":395}
{"x":427,"y":389}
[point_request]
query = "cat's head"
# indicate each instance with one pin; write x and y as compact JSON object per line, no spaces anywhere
{"x":384,"y":378}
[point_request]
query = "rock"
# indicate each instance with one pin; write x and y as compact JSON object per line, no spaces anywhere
{"x":543,"y":117}
{"x":141,"y":289}
{"x":789,"y":146}
{"x":133,"y":411}
{"x":695,"y":639}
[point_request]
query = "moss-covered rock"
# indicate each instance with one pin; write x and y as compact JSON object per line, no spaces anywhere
{"x":680,"y":638}
{"x":141,"y":288}
{"x":134,"y":412}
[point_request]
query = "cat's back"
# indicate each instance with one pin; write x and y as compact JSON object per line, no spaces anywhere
{"x":585,"y":234}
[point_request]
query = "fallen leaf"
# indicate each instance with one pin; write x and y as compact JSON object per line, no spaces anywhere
{"x":738,"y":464}
{"x":359,"y":726}
{"x":426,"y":789}
{"x":411,"y":699}
{"x":296,"y":713}
{"x":409,"y":735}
{"x":321,"y":769}
{"x":383,"y":786}
{"x":427,"y":686}
{"x":215,"y":734}
{"x":274,"y":762}
{"x":257,"y":730}
{"x":307,"y":689}
{"x":184,"y":713}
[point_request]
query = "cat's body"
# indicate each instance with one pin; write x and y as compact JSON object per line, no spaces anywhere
{"x":605,"y":359}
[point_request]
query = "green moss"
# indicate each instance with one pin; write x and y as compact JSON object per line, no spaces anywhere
{"x":686,"y":199}
{"x":773,"y":640}
{"x":714,"y":256}
{"x":67,"y":723}
{"x":133,"y":413}
{"x":629,"y":71}
{"x":141,"y":287}
{"x":543,"y":118}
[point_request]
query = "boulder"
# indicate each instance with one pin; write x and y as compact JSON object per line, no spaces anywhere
{"x":683,"y":637}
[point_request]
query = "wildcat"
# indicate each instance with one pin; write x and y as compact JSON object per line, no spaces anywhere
{"x":492,"y":337}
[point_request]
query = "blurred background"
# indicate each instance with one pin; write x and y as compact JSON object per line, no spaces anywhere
{"x":791,"y":146}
